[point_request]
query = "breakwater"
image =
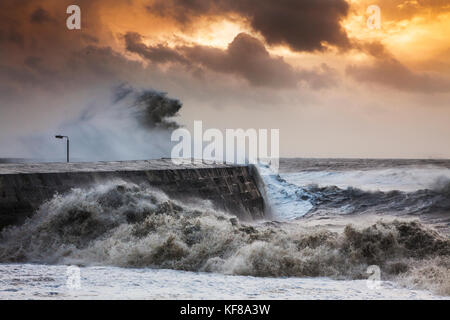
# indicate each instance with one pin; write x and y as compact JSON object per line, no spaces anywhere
{"x":232,"y":188}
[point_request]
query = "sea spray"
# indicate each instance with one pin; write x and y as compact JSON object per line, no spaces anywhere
{"x":128,"y":225}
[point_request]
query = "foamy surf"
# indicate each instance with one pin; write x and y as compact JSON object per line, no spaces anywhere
{"x":396,"y":190}
{"x":49,"y":282}
{"x":285,"y":200}
{"x":127,"y":225}
{"x":384,"y":180}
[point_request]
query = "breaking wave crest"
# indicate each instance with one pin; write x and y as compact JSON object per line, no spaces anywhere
{"x":354,"y":200}
{"x":291,"y":201}
{"x":129,"y":225}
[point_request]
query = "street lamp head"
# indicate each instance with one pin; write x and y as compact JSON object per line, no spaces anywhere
{"x":62,"y":137}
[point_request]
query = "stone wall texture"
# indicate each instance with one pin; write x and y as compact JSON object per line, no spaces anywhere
{"x":23,"y":188}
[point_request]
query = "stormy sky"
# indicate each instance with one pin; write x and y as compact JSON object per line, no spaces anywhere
{"x":311,"y":68}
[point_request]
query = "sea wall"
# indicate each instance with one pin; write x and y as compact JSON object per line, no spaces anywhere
{"x":24,"y":187}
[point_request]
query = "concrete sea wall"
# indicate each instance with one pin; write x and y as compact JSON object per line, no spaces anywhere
{"x":24,"y":187}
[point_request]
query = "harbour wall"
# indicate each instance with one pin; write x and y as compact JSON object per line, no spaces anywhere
{"x":231,"y":188}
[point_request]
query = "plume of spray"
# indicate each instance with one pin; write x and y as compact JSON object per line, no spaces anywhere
{"x":129,"y":125}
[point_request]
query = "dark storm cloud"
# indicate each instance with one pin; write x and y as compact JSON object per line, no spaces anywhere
{"x":11,"y":37}
{"x":157,"y":54}
{"x":40,"y":25}
{"x":90,"y":38}
{"x":390,"y":72}
{"x":57,"y":80}
{"x":54,"y":73}
{"x":303,"y":25}
{"x":245,"y":57}
{"x":40,"y":15}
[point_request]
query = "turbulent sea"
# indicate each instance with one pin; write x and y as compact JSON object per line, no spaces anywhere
{"x":330,"y":223}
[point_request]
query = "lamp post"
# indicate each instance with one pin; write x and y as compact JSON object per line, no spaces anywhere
{"x":62,"y":137}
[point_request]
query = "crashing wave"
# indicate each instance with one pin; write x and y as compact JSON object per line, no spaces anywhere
{"x":128,"y":225}
{"x":291,"y":201}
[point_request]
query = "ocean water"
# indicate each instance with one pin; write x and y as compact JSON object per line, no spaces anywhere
{"x":331,"y":222}
{"x":332,"y":186}
{"x":26,"y":281}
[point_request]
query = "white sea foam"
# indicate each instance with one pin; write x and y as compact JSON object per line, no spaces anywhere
{"x":25,"y":281}
{"x":286,"y":200}
{"x":116,"y":226}
{"x":128,"y":225}
{"x":401,"y":179}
